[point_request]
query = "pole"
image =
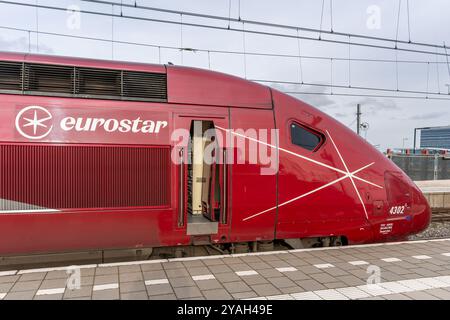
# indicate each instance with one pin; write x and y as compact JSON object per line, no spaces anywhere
{"x":358,"y":118}
{"x":415,"y":133}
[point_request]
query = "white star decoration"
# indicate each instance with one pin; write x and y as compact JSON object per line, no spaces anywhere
{"x":35,"y":122}
{"x":346,"y":174}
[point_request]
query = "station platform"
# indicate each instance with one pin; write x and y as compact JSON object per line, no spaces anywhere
{"x":406,"y":270}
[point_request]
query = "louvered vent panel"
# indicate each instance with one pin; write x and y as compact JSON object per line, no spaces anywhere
{"x":10,"y":76}
{"x":62,"y":177}
{"x":99,"y":82}
{"x":145,"y":85}
{"x":47,"y":78}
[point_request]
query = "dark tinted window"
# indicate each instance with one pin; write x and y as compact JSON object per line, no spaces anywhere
{"x":305,"y":138}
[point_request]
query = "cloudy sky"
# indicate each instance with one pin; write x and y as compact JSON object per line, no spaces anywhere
{"x":391,"y":120}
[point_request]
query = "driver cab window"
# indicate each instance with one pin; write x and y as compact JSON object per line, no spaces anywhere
{"x":305,"y":138}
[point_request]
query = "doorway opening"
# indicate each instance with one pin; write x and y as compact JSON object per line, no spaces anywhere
{"x":204,"y":190}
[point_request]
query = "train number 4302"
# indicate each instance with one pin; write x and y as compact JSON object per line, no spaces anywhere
{"x":397,"y":209}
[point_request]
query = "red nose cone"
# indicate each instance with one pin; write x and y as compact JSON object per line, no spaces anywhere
{"x":421,"y":211}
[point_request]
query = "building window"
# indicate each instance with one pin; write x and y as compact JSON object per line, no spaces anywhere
{"x":305,"y":137}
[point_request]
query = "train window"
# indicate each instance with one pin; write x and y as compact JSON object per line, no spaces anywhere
{"x":305,"y":138}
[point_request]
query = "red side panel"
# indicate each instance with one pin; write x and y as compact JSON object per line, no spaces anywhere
{"x":196,"y":86}
{"x":253,"y":191}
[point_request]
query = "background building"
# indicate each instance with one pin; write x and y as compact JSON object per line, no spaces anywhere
{"x":435,"y":137}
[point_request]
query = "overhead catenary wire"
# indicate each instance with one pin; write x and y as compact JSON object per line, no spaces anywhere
{"x":264,"y":54}
{"x":353,"y":87}
{"x":267,"y":24}
{"x":159,"y":47}
{"x":274,"y":34}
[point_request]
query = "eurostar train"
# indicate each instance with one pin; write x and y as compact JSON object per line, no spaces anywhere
{"x":104,"y":157}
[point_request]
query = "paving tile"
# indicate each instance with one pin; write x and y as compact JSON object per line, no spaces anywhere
{"x":351,"y":280}
{"x":236,"y":286}
{"x":58,"y":274}
{"x":129,"y":269}
{"x":227,"y":277}
{"x":110,"y":294}
{"x":130,"y":277}
{"x":151,"y":267}
{"x":176,"y":273}
{"x":134,"y":286}
{"x":272,"y":272}
{"x":217,"y":294}
{"x":265,"y":289}
{"x":197,"y":271}
{"x":297,"y":275}
{"x":256,"y":279}
{"x":193,"y":264}
{"x":187,"y":292}
{"x":5,"y":287}
{"x":84,"y":291}
{"x":49,"y":297}
{"x":209,"y":284}
{"x":282,"y":282}
{"x":155,"y":274}
{"x":219,"y":269}
{"x":291,"y":289}
{"x":163,"y":297}
{"x":159,"y":289}
{"x":323,"y":277}
{"x":22,"y":295}
{"x":8,"y":279}
{"x":396,"y":296}
{"x":440,"y":293}
{"x":181,"y":282}
{"x":105,"y":279}
{"x":334,"y":285}
{"x":33,"y":276}
{"x":26,"y":286}
{"x":240,"y":267}
{"x":420,"y":295}
{"x":173,"y":265}
{"x":310,"y":285}
{"x":244,"y":295}
{"x":140,"y":295}
{"x":53,"y":283}
{"x":106,"y":270}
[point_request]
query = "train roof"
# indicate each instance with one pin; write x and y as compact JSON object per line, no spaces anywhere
{"x":185,"y":85}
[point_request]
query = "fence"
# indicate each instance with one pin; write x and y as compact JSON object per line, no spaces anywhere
{"x":423,"y":167}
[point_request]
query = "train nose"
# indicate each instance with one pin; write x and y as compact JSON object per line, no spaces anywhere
{"x":421,"y":211}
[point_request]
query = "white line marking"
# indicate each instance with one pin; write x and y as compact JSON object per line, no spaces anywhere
{"x":374,"y":290}
{"x":286,"y":269}
{"x":86,"y":266}
{"x":156,"y":281}
{"x":101,"y":287}
{"x":353,"y":293}
{"x":415,"y":284}
{"x":447,"y":254}
{"x":203,"y":277}
{"x":350,"y":176}
{"x":330,"y":294}
{"x":391,"y":260}
{"x":246,"y":273}
{"x":8,"y":273}
{"x":280,"y":297}
{"x":28,"y":211}
{"x":50,"y":291}
{"x":298,"y":155}
{"x":434,"y":282}
{"x":2,"y":296}
{"x":395,"y":287}
{"x":421,"y":257}
{"x":308,"y":295}
{"x":296,"y":198}
{"x":131,"y":263}
{"x":358,"y":263}
{"x":324,"y":265}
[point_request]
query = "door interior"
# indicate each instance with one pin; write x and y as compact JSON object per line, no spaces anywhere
{"x":203,"y":175}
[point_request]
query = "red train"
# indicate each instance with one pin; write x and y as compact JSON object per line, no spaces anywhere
{"x":100,"y":155}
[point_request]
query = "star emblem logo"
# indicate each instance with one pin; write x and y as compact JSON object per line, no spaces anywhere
{"x":33,"y":122}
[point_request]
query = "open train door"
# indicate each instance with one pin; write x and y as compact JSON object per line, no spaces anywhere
{"x":203,"y":176}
